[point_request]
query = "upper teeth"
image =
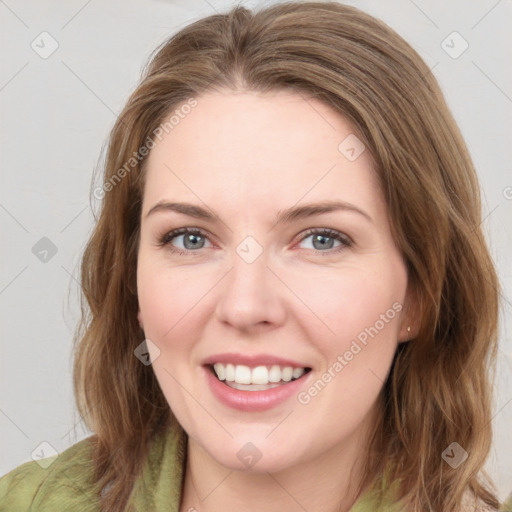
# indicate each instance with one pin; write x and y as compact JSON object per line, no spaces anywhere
{"x":259,"y":375}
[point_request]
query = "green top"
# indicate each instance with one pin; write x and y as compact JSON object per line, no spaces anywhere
{"x":66,"y":484}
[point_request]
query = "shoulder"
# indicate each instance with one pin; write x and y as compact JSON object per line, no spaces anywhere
{"x":62,"y":483}
{"x":472,"y":504}
{"x":384,"y":498}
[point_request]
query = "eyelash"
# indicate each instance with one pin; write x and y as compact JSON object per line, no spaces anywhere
{"x":330,"y":233}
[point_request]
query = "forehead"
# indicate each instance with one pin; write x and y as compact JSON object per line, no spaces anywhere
{"x":255,"y":148}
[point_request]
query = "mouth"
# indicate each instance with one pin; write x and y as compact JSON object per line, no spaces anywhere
{"x":258,"y":378}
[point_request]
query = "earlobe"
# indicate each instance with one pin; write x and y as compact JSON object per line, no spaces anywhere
{"x":406,"y":334}
{"x":139,"y":318}
{"x":410,"y":326}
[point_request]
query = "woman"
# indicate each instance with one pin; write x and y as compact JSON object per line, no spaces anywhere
{"x":291,"y":305}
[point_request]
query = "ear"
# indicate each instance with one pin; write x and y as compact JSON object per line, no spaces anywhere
{"x":139,"y":318}
{"x":410,"y":318}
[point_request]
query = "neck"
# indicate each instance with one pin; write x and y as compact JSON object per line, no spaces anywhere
{"x":329,"y":482}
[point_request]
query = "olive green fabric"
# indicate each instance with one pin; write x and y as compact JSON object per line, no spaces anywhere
{"x":507,"y":506}
{"x":66,"y":484}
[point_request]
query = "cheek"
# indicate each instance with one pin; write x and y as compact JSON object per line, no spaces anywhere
{"x":351,"y":299}
{"x":356,"y":313}
{"x":154,"y":303}
{"x":363,"y":310}
{"x":160,"y":296}
{"x":170,"y":299}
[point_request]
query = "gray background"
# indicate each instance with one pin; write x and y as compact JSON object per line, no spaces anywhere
{"x":56,"y":115}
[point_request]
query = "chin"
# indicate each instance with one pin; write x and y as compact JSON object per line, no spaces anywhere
{"x":261,"y":463}
{"x":251,"y":454}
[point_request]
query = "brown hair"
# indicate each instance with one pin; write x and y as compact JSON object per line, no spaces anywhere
{"x":438,"y":390}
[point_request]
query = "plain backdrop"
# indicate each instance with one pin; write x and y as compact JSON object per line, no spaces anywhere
{"x":56,"y":113}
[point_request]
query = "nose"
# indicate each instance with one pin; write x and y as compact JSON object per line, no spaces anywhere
{"x":251,"y":295}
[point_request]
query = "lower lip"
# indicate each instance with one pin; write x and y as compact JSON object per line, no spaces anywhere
{"x":253,"y":401}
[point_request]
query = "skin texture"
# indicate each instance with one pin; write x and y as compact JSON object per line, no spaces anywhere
{"x":246,"y":156}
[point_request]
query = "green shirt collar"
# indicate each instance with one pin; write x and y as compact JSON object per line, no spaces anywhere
{"x":159,"y":487}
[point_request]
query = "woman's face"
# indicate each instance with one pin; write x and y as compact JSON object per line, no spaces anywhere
{"x":258,"y":288}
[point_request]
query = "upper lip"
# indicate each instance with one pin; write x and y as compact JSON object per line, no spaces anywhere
{"x":252,"y":360}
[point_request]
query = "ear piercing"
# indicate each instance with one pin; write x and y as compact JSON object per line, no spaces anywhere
{"x":409,"y":328}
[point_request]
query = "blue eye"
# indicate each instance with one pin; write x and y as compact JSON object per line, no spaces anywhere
{"x":321,"y":235}
{"x":190,"y":238}
{"x":193,"y":238}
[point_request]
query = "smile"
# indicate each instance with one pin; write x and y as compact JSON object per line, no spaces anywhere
{"x":244,"y":377}
{"x":266,"y":392}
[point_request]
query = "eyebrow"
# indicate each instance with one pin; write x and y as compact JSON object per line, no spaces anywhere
{"x":283,"y":216}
